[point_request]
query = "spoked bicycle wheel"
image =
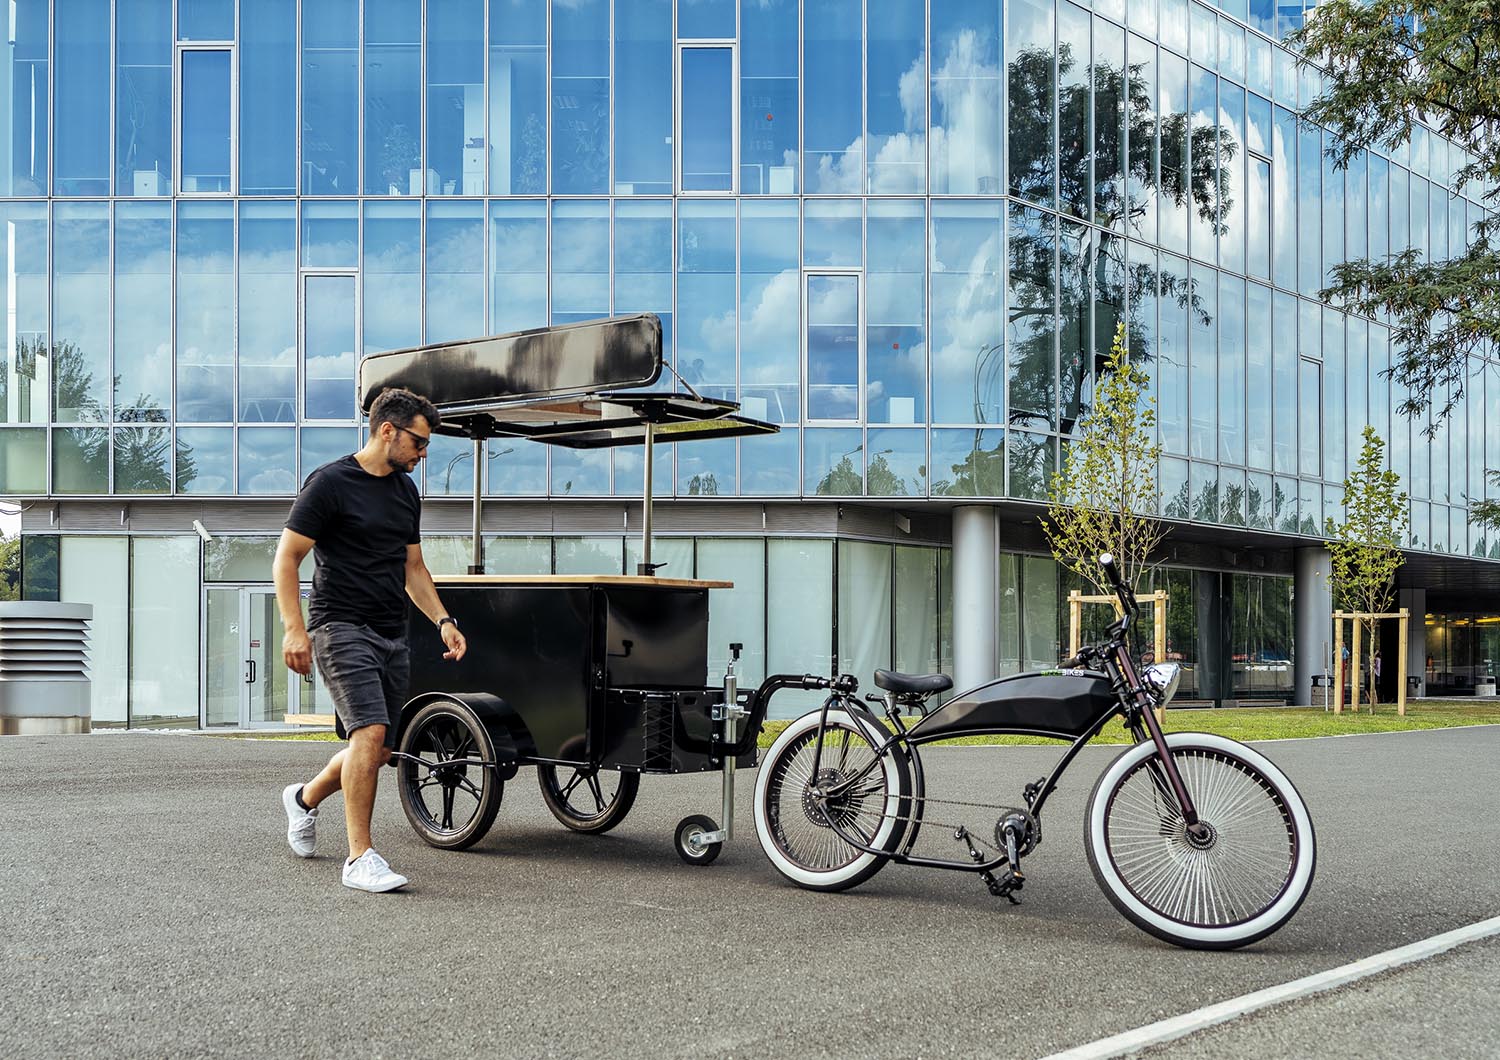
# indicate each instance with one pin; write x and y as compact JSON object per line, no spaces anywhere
{"x":449,"y":798}
{"x":1239,"y":881}
{"x":586,"y":798}
{"x":796,"y":829}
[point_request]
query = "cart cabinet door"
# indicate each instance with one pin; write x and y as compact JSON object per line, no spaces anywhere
{"x":656,"y":638}
{"x":530,"y":645}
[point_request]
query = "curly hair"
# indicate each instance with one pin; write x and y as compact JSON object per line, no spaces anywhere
{"x":400,"y":407}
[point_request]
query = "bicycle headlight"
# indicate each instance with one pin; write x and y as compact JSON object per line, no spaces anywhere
{"x":1164,"y":679}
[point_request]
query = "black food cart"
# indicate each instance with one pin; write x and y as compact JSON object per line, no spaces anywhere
{"x":593,"y":679}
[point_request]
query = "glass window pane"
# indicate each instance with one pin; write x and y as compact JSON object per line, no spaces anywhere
{"x":643,"y":97}
{"x":1232,"y":187}
{"x":965,"y":98}
{"x":518,"y":97}
{"x":267,"y":460}
{"x":324,"y":445}
{"x":164,"y":600}
{"x":330,"y":99}
{"x":268,"y":115}
{"x":1310,"y":389}
{"x":23,"y":113}
{"x":1309,"y":212}
{"x":579,"y":472}
{"x":712,"y":19}
{"x":328,"y":351}
{"x":706,"y":469}
{"x":455,"y":270}
{"x":1033,"y":462}
{"x":268,"y":312}
{"x":768,"y":98}
{"x":1029,"y":56}
{"x":895,"y":337}
{"x":455,"y":97}
{"x":1031,"y":321}
{"x":588,"y":555}
{"x":1174,"y":25}
{"x":80,"y":460}
{"x":968,"y":463}
{"x":897,"y":463}
{"x":1259,"y":500}
{"x":770,"y":312}
{"x":580,"y":260}
{"x":799,"y":615}
{"x":1174,"y":489}
{"x":1075,"y":147}
{"x":1176,"y":174}
{"x":143,"y":459}
{"x":1205,"y":504}
{"x":1110,"y":117}
{"x":1334,"y":399}
{"x":205,"y":460}
{"x":518,"y":266}
{"x":1259,"y":416}
{"x":769,"y":465}
{"x":833,"y":347}
{"x":80,"y":332}
{"x":705,"y":296}
{"x":736,"y":615}
{"x":1284,"y":381}
{"x":205,"y":121}
{"x":205,"y":20}
{"x":330,"y":235}
{"x":864,"y":578}
{"x":707,"y":125}
{"x":1232,"y":369}
{"x":833,"y":463}
{"x":831,"y":234}
{"x":93,"y":571}
{"x":580,"y":98}
{"x":205,"y":312}
{"x":25,"y":358}
{"x":1203,"y":366}
{"x":143,"y":312}
{"x":1209,"y":203}
{"x":831,"y":64}
{"x":896,"y":117}
{"x":1172,"y":355}
{"x":518,"y":555}
{"x":628,"y":471}
{"x":1283,"y":199}
{"x":23,"y":460}
{"x":81,"y":144}
{"x":516,"y":469}
{"x":392,"y":276}
{"x":643,"y":263}
{"x":393,"y":104}
{"x":967,"y":362}
{"x":143,"y":97}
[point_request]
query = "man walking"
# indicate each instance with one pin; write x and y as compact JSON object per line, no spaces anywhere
{"x":360,"y":516}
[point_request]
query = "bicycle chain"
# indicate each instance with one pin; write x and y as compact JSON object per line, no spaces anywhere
{"x":924,"y":799}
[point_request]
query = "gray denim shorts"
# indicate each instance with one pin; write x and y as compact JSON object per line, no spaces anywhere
{"x":366,"y":675}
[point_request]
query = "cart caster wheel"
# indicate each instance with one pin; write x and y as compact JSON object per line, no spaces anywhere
{"x":688,"y":848}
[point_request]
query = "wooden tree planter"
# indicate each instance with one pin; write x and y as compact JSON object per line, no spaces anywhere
{"x":1339,"y":618}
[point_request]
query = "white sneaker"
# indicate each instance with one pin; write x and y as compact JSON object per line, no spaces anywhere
{"x":370,"y":872}
{"x":301,"y":825}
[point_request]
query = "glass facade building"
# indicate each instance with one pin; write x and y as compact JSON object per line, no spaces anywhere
{"x":904,"y":231}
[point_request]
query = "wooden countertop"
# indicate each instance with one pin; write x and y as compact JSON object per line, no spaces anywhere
{"x":633,"y":581}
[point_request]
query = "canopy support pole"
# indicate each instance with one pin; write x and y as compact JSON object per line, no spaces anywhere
{"x":645,"y":567}
{"x":477,"y":567}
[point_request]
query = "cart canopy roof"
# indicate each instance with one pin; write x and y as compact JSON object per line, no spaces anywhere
{"x":562,"y":385}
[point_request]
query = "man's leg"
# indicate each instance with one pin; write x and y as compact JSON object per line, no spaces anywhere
{"x":325,"y":783}
{"x":359,"y":773}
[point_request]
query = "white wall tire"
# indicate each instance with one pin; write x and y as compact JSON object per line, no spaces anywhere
{"x":1228,"y":893}
{"x":807,"y":853}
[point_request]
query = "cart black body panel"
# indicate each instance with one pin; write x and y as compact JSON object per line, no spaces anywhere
{"x":608,"y":672}
{"x":1064,"y":704}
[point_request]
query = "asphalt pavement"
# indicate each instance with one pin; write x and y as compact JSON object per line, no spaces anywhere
{"x":151,"y":908}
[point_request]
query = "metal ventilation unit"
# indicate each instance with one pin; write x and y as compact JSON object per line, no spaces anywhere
{"x":44,"y":680}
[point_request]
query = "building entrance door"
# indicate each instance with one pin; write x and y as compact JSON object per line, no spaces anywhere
{"x":248,"y":684}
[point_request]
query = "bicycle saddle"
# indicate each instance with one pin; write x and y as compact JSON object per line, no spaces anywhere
{"x":909,"y":684}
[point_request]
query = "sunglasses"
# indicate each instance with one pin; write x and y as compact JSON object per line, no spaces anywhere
{"x":422,"y":441}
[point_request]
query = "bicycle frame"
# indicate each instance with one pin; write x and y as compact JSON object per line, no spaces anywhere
{"x":1134,"y":702}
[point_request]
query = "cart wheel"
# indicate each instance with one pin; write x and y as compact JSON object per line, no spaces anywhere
{"x":688,"y":831}
{"x":449,"y":803}
{"x":584,"y":798}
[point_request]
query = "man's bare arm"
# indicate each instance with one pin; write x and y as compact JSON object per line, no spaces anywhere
{"x":424,"y":594}
{"x":296,"y":648}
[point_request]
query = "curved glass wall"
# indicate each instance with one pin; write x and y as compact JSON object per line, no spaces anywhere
{"x":903,"y":231}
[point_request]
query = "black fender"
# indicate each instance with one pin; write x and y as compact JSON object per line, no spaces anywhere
{"x":507,"y":731}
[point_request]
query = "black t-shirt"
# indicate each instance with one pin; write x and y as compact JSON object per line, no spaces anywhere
{"x":361,"y":524}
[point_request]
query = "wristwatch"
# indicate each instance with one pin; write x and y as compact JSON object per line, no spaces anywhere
{"x":445,"y":620}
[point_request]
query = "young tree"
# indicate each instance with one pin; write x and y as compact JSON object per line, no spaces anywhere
{"x":1390,"y":64}
{"x":1366,"y":547}
{"x":1106,"y":495}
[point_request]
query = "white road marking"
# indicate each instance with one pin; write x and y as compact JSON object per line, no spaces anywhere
{"x":1190,"y":1022}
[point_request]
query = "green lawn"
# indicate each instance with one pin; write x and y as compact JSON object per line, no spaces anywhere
{"x":1240,"y":723}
